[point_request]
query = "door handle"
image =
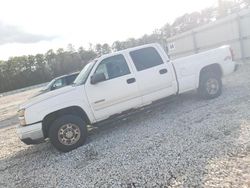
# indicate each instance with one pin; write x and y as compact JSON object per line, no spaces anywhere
{"x":163,"y":71}
{"x":99,"y":101}
{"x":131,"y":80}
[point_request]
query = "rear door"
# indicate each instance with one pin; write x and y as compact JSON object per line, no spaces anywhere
{"x":118,"y":93}
{"x":154,"y":76}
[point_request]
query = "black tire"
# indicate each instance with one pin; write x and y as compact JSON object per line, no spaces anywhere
{"x":205,"y":91}
{"x":61,"y":127}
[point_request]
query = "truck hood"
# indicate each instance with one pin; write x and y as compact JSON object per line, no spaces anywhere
{"x":45,"y":96}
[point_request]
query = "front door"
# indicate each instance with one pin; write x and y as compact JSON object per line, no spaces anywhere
{"x":118,"y":93}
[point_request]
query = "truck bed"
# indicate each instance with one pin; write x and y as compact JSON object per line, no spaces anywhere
{"x":188,"y":68}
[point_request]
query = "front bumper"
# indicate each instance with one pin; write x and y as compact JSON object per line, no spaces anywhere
{"x":30,"y":134}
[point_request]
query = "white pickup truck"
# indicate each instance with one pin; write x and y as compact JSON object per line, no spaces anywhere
{"x":116,"y":83}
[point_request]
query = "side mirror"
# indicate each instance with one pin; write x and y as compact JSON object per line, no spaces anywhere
{"x":98,"y":77}
{"x":53,"y":87}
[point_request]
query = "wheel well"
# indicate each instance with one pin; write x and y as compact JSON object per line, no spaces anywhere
{"x":214,"y":68}
{"x":50,"y":118}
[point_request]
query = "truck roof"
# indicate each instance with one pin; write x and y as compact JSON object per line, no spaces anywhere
{"x":130,"y":49}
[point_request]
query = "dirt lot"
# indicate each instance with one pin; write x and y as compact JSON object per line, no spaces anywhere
{"x":185,"y":142}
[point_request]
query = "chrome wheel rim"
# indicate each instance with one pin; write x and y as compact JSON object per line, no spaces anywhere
{"x":212,"y":86}
{"x":69,"y":134}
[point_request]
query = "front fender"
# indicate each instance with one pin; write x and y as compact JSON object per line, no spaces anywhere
{"x":76,"y":97}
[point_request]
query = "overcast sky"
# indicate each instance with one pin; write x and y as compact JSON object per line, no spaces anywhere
{"x":35,"y":26}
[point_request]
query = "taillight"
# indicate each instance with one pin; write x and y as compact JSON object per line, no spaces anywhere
{"x":232,"y":53}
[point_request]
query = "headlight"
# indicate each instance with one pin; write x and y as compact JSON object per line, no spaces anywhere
{"x":21,"y":117}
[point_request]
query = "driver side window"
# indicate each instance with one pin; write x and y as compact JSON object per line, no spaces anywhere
{"x":102,"y":69}
{"x":113,"y":67}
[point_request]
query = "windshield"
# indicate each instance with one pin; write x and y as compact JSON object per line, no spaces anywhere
{"x":82,"y":77}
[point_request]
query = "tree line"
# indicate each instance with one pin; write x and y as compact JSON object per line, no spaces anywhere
{"x":23,"y":71}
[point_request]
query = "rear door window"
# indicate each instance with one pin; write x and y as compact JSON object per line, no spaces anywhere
{"x":146,"y":58}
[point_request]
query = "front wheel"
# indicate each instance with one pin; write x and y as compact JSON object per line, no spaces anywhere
{"x":210,"y":86}
{"x":68,"y":132}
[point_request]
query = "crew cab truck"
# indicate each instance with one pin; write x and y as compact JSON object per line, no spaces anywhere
{"x":116,"y":83}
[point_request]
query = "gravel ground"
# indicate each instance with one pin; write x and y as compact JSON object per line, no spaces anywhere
{"x":185,"y":142}
{"x":9,"y":106}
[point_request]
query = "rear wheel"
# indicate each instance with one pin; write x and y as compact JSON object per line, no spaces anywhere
{"x":210,"y":85}
{"x":68,"y":132}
